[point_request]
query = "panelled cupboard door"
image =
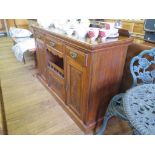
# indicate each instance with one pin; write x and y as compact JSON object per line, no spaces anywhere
{"x":41,"y":58}
{"x":38,"y":55}
{"x":75,"y":79}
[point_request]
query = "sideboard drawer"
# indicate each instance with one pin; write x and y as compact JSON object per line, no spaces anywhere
{"x":54,"y":43}
{"x":39,"y":35}
{"x":77,"y":56}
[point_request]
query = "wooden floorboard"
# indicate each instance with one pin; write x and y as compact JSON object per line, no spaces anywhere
{"x":3,"y":125}
{"x":29,"y":108}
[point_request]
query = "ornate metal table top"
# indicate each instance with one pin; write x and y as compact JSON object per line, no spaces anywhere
{"x":139,"y":106}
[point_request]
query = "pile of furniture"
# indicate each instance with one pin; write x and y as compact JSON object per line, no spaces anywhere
{"x":135,"y":27}
{"x":23,"y":42}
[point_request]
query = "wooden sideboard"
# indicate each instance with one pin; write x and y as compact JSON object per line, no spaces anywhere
{"x":81,"y":75}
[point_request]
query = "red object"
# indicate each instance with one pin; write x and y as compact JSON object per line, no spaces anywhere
{"x":102,"y":34}
{"x":91,"y":34}
{"x":107,"y":26}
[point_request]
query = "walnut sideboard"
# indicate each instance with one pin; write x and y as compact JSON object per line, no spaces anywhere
{"x":81,"y":75}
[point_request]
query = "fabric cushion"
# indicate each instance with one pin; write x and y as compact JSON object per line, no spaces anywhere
{"x":18,"y":32}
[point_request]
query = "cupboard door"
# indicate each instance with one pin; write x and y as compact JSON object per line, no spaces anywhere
{"x":128,"y":26}
{"x":75,"y":78}
{"x":38,"y":56}
{"x":56,"y":83}
{"x":41,"y":58}
{"x":138,"y":28}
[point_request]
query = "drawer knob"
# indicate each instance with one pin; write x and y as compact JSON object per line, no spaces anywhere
{"x":73,"y":55}
{"x":52,"y":43}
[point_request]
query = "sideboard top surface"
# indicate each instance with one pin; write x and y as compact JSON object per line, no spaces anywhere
{"x":86,"y":43}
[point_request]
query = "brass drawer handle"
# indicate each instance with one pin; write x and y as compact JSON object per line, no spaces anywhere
{"x":52,"y":44}
{"x":39,"y":37}
{"x":73,"y":55}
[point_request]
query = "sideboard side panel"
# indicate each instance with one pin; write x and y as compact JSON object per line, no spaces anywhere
{"x":107,"y":71}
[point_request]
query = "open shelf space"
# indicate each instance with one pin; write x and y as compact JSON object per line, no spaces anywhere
{"x":55,"y":63}
{"x":58,"y":70}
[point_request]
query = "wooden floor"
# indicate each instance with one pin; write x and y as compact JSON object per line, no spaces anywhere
{"x":29,"y":108}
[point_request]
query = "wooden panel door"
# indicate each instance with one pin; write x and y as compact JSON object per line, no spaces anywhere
{"x":75,"y":79}
{"x":41,"y":58}
{"x":128,"y":26}
{"x":138,"y":28}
